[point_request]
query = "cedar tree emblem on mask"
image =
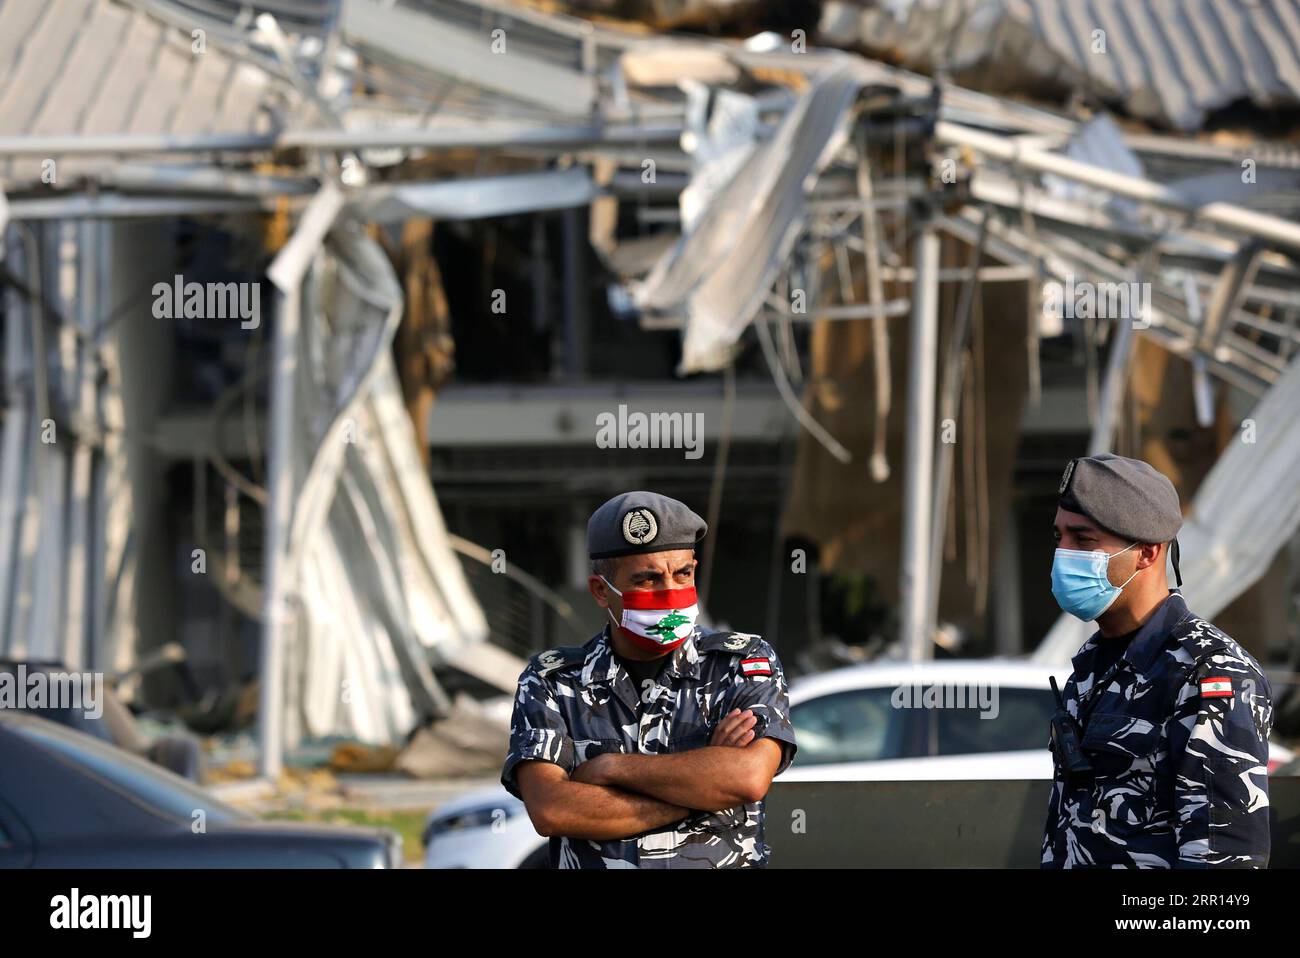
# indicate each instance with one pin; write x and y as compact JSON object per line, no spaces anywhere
{"x":666,"y":628}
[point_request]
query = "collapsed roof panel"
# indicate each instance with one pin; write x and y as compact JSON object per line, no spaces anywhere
{"x":425,"y":40}
{"x":1171,"y":62}
{"x":106,"y":67}
{"x":720,"y":273}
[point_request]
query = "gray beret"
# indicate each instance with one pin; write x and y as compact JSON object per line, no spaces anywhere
{"x":1125,"y":496}
{"x":637,"y":522}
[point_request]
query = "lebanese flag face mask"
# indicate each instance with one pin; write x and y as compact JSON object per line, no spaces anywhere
{"x":658,"y":620}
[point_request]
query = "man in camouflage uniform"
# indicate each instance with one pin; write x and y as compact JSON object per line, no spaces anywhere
{"x":653,"y":744}
{"x":1161,"y":746}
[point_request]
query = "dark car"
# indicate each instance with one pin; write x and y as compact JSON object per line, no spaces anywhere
{"x":179,"y":752}
{"x":69,"y":800}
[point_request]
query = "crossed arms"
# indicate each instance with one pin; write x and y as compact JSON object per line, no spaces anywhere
{"x":616,"y":796}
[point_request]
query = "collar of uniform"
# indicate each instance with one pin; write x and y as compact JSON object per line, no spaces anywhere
{"x":1150,"y":639}
{"x":601,"y":666}
{"x":686,"y":659}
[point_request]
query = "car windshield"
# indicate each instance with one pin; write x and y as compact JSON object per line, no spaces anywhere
{"x":862,"y":725}
{"x":1012,"y":720}
{"x":170,"y":794}
{"x":855,"y":726}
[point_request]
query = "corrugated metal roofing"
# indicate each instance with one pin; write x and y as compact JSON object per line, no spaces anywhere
{"x":103,"y":66}
{"x":303,"y":17}
{"x":1171,"y":62}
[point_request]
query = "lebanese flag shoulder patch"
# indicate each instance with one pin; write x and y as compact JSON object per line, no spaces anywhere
{"x":1216,"y":687}
{"x":759,"y":666}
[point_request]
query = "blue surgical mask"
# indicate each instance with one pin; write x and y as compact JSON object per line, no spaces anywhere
{"x":1080,"y":585}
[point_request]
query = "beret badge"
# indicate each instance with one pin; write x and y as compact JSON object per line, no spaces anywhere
{"x":1065,"y":479}
{"x":640,"y":527}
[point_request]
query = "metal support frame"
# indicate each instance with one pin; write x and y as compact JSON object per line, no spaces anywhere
{"x":948,"y":406}
{"x":918,"y":471}
{"x":1202,"y":389}
{"x":1274,"y":229}
{"x":286,"y":272}
{"x":886,"y":310}
{"x":1237,"y":275}
{"x":15,"y":423}
{"x":1112,"y":388}
{"x":1117,"y":369}
{"x":513,"y":136}
{"x":879,"y":463}
{"x":1170,"y":325}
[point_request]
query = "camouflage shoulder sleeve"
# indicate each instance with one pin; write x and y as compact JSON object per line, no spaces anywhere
{"x":1218,"y":743}
{"x":538,"y":731}
{"x":730,"y":643}
{"x":552,"y":660}
{"x":760,"y":686}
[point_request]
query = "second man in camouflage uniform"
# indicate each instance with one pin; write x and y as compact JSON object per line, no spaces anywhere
{"x":1161,"y":740}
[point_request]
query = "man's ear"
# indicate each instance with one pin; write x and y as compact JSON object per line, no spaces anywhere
{"x":1149,"y":553}
{"x":599,"y":590}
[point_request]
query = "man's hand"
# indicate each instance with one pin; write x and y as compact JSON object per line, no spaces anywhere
{"x":736,"y":730}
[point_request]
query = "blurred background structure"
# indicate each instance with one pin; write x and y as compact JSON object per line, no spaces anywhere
{"x":840,"y":231}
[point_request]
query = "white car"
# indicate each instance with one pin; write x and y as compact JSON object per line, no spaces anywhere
{"x":485,"y":828}
{"x":954,"y":719}
{"x":874,"y":722}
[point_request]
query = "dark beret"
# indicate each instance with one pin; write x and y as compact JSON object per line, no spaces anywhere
{"x":637,"y":522}
{"x":1128,"y":497}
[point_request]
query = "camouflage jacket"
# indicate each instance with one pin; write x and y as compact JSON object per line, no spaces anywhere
{"x":578,"y":702}
{"x":1176,"y":732}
